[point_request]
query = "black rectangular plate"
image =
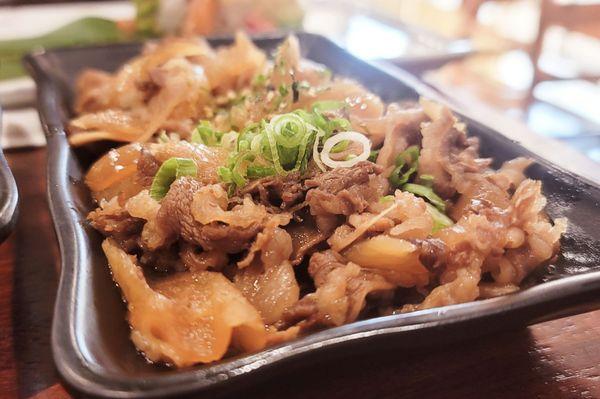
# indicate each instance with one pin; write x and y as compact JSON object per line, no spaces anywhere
{"x":9,"y":196}
{"x":90,"y":337}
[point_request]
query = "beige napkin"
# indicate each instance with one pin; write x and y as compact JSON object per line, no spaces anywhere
{"x":21,"y":128}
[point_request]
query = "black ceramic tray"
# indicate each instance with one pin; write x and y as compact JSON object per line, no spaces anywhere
{"x":90,"y":337}
{"x":9,"y":196}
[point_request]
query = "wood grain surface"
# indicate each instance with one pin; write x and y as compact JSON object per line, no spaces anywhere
{"x":559,"y":359}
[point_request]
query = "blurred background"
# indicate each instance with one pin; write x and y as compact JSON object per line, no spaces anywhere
{"x":536,"y":62}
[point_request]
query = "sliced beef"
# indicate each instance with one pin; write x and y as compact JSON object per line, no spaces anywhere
{"x":94,"y":91}
{"x":277,"y":191}
{"x":447,"y":153}
{"x":403,"y":130}
{"x":162,"y":260}
{"x":175,"y":213}
{"x":344,"y":191}
{"x":227,"y":238}
{"x":433,"y":252}
{"x":147,"y":166}
{"x":305,"y":313}
{"x":306,"y":237}
{"x":342,"y":289}
{"x":113,"y":220}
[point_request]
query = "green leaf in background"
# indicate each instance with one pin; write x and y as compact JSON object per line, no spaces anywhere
{"x":146,"y":17}
{"x":85,"y":31}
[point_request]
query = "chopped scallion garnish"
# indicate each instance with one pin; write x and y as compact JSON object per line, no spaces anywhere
{"x":205,"y":134}
{"x":327,"y":105}
{"x":373,"y":156}
{"x":440,"y":220}
{"x":280,"y":146}
{"x":171,"y":170}
{"x":341,"y":146}
{"x":386,"y":198}
{"x":406,"y":163}
{"x":426,"y":180}
{"x":427,"y":193}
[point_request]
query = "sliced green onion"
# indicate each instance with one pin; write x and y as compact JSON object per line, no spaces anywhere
{"x":386,"y":198}
{"x":338,"y":124}
{"x":350,"y":136}
{"x":316,"y":154}
{"x":225,"y":174}
{"x":320,"y":122}
{"x":426,"y":180}
{"x":240,"y":166}
{"x":440,"y":220}
{"x":296,"y":87}
{"x":281,"y":145}
{"x":259,"y":80}
{"x":247,"y":135}
{"x":283,"y":90}
{"x":289,"y":129}
{"x":427,"y":193}
{"x":171,"y":170}
{"x":205,"y":134}
{"x":162,"y":137}
{"x":274,"y":152}
{"x":256,"y":172}
{"x":398,"y":178}
{"x":406,"y":163}
{"x":327,"y":105}
{"x":288,"y":157}
{"x":341,"y":146}
{"x":409,"y":156}
{"x":373,"y":156}
{"x":304,"y":151}
{"x":229,"y":140}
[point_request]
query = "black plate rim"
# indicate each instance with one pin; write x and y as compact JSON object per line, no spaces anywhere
{"x":543,"y":302}
{"x":9,"y":198}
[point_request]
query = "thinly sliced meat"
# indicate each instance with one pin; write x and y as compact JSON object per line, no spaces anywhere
{"x":344,"y":191}
{"x":447,"y":154}
{"x":176,"y":215}
{"x":342,"y":289}
{"x":511,"y":174}
{"x":273,"y":246}
{"x":185,"y":319}
{"x":231,"y":68}
{"x":271,"y":289}
{"x":306,"y":237}
{"x":116,"y":174}
{"x":154,"y":234}
{"x":403,"y":129}
{"x":397,"y":259}
{"x":277,"y":191}
{"x":112,"y":220}
{"x":197,"y":260}
{"x":539,"y":239}
{"x":94,"y":91}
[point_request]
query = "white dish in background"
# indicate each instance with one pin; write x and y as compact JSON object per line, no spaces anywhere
{"x":33,"y":20}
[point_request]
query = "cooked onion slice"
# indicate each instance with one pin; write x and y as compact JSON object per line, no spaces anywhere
{"x":351,"y":136}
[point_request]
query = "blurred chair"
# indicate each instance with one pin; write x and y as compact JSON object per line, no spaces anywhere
{"x":573,"y":16}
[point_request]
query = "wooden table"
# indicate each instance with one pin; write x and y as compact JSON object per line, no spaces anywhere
{"x":559,"y":359}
